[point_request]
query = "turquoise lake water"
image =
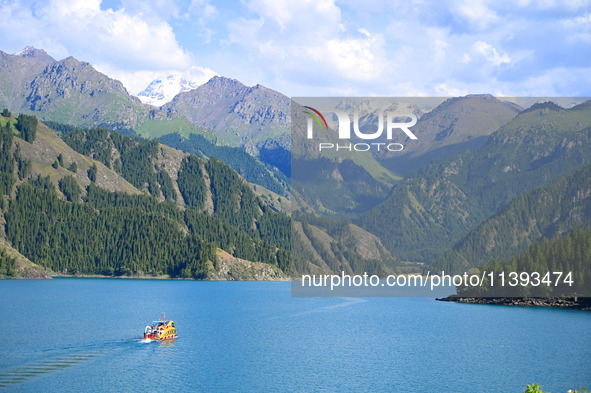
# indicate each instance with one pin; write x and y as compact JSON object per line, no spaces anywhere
{"x":85,"y":335}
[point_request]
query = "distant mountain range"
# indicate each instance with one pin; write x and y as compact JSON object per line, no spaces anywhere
{"x":73,"y":92}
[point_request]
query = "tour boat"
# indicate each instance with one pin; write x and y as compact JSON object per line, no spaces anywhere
{"x":160,"y":330}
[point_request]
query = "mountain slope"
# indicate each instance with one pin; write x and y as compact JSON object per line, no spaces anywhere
{"x":436,"y":206}
{"x":253,"y":170}
{"x":14,"y":265}
{"x":323,"y":246}
{"x":79,"y":227}
{"x":73,"y":92}
{"x":237,"y":114}
{"x":16,"y":73}
{"x":543,"y":212}
{"x":457,"y":124}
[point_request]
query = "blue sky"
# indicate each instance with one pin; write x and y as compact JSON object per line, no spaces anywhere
{"x":322,"y":47}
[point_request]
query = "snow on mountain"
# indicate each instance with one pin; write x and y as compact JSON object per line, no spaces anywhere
{"x":161,"y":91}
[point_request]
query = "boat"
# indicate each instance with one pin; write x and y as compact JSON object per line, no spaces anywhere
{"x":160,"y":330}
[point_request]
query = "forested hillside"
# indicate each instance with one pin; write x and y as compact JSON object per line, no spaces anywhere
{"x":569,"y":255}
{"x":242,"y":162}
{"x":171,"y":219}
{"x":83,"y":228}
{"x":436,"y":206}
{"x":543,"y":212}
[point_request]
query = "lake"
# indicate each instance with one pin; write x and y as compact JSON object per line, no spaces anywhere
{"x":85,"y":335}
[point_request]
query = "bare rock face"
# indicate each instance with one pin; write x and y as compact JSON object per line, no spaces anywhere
{"x":67,"y":91}
{"x":235,"y":269}
{"x":16,"y":73}
{"x":236,"y":113}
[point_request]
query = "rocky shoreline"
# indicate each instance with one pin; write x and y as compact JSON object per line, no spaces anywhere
{"x":570,"y":302}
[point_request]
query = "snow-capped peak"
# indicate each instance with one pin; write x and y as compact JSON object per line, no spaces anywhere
{"x":26,"y":51}
{"x":162,"y":90}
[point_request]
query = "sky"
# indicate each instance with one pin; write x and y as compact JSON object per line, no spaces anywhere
{"x":321,"y":47}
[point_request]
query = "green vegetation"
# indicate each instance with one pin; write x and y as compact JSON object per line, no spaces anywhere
{"x":132,"y":158}
{"x":318,"y":179}
{"x":23,"y":165}
{"x":27,"y":127}
{"x":436,"y":206}
{"x":166,"y":185}
{"x":7,"y":264}
{"x":92,"y":173}
{"x":536,"y":388}
{"x":533,"y":388}
{"x":156,"y":128}
{"x":69,"y":187}
{"x":191,"y":182}
{"x":113,"y":233}
{"x":6,"y":113}
{"x":7,"y":179}
{"x":569,"y":254}
{"x":242,"y":162}
{"x":119,"y":234}
{"x":112,"y":240}
{"x":545,"y":211}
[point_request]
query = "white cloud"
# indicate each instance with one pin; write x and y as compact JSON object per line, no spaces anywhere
{"x":321,"y":46}
{"x":571,"y":5}
{"x":124,"y":40}
{"x":476,"y":13}
{"x":292,"y":37}
{"x":444,"y":90}
{"x":489,"y":53}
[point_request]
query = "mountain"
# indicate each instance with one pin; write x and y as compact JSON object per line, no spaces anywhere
{"x":253,"y":170}
{"x":322,"y":245}
{"x":39,"y":55}
{"x":14,"y":265}
{"x":436,"y":206}
{"x":561,"y":262}
{"x":16,"y":73}
{"x":543,"y":212}
{"x":161,"y":91}
{"x":63,"y":202}
{"x":73,"y":92}
{"x":455,"y":125}
{"x":159,"y":210}
{"x":238,"y":115}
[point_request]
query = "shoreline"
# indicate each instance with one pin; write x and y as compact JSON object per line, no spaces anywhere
{"x":148,"y":277}
{"x":566,"y":302}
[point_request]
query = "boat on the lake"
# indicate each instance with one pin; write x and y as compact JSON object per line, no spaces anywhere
{"x":160,"y":330}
